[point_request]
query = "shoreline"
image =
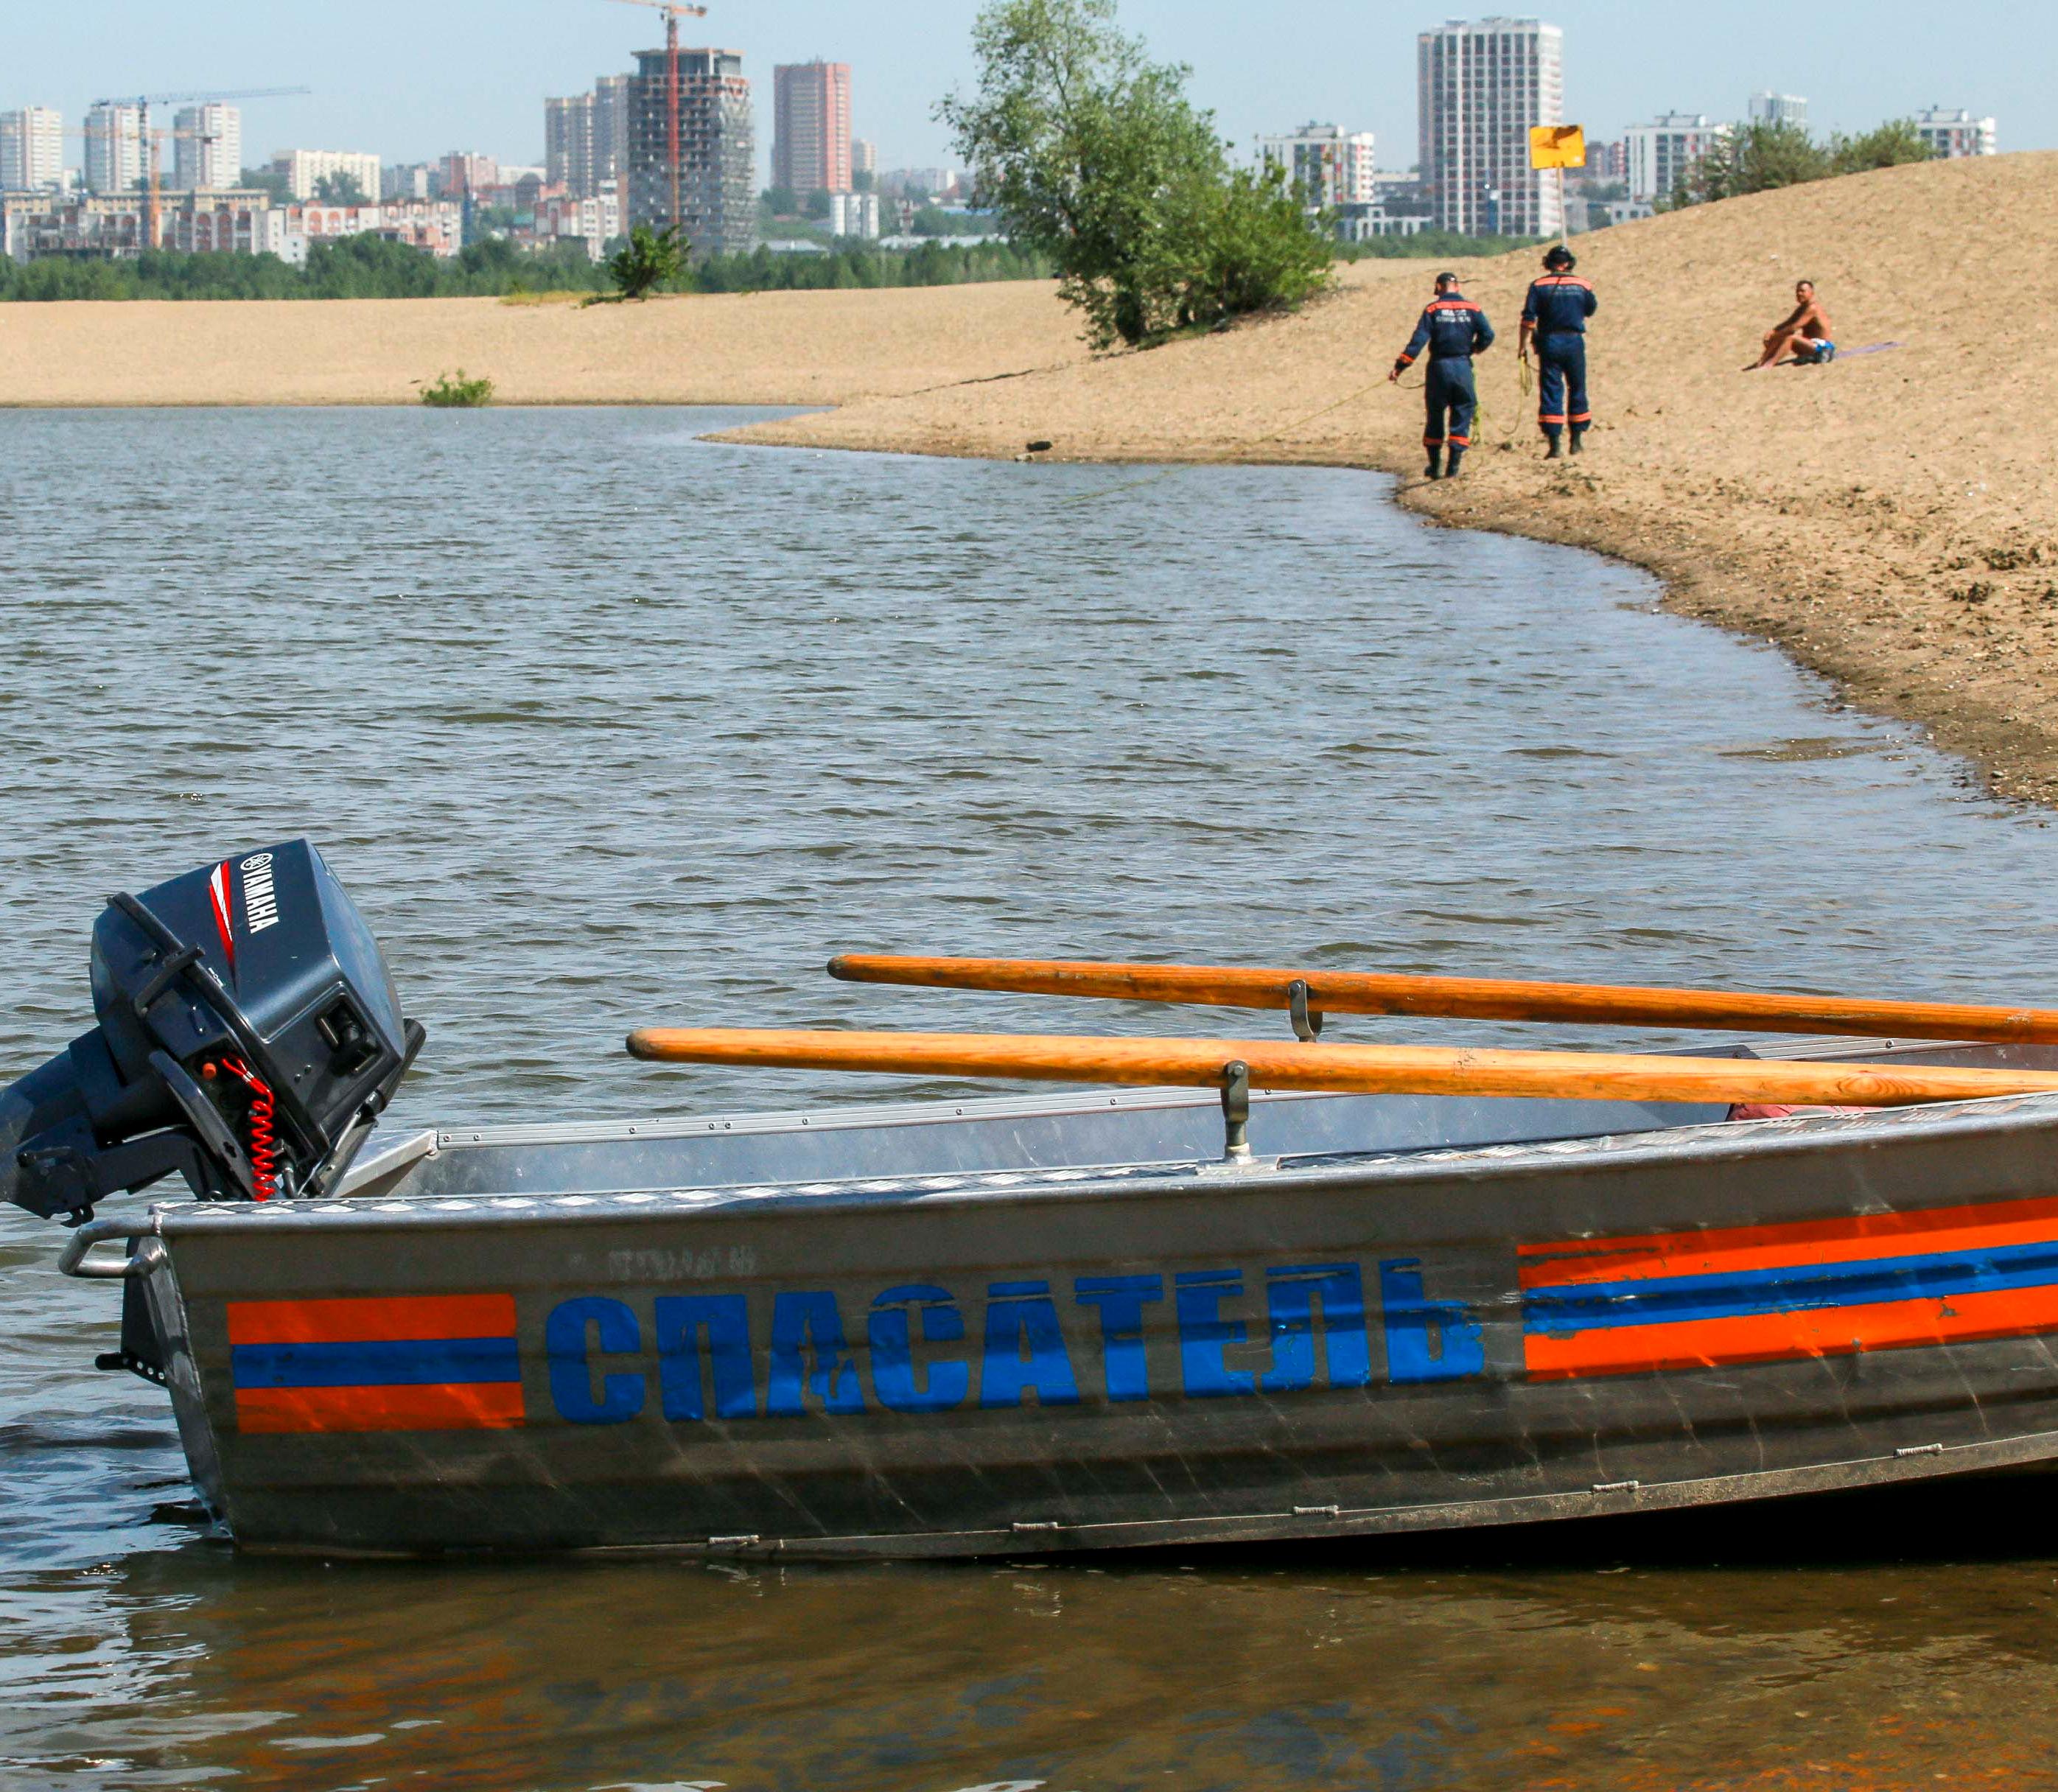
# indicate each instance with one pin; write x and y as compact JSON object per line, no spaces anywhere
{"x":1889,"y":521}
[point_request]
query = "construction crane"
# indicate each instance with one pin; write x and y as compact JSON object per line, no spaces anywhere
{"x":673,"y":12}
{"x":143,"y":102}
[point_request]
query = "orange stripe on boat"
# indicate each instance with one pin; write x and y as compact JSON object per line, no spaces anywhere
{"x":484,"y":1406}
{"x":380,"y":1320}
{"x":1769,"y":1337}
{"x":1849,"y":1238}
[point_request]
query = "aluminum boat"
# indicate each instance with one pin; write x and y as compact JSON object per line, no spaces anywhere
{"x":1007,"y":1325}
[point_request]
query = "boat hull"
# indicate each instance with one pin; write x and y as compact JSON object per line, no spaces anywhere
{"x":983,"y":1361}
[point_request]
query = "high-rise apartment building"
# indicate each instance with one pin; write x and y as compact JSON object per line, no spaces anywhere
{"x":811,"y":127}
{"x":414,"y":180}
{"x":113,"y":148}
{"x":585,"y":137}
{"x":1778,"y":109}
{"x":304,"y":170}
{"x":568,"y":143}
{"x":716,"y":203}
{"x":31,"y":150}
{"x":1952,"y":134}
{"x":1481,"y":85}
{"x":610,"y":129}
{"x":1661,"y":153}
{"x":207,"y":148}
{"x":1327,"y":164}
{"x":465,"y":173}
{"x":863,"y":162}
{"x":1607,"y":162}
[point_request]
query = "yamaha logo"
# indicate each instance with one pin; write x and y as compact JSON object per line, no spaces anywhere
{"x":260,"y":903}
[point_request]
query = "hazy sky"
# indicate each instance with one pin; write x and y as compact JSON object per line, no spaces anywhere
{"x":410,"y":78}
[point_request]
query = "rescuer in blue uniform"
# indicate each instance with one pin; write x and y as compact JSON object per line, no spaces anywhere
{"x":1453,"y":329}
{"x":1556,"y":315}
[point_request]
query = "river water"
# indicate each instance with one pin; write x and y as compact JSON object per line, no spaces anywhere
{"x":605,"y":725}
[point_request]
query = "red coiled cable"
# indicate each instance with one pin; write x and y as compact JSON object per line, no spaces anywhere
{"x":263,"y":1138}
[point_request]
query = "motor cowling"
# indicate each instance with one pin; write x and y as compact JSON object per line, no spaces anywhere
{"x":249,"y":1037}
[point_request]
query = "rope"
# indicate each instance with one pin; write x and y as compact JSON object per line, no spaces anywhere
{"x":264,"y":1143}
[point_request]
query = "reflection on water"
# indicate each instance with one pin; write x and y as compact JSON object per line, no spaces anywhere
{"x":604,"y":726}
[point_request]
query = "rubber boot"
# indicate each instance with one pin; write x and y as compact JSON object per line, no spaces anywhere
{"x":1434,"y":469}
{"x":1451,"y":470}
{"x":1579,"y":439}
{"x":1556,"y":451}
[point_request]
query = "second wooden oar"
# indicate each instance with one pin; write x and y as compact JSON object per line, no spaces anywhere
{"x":1343,"y":1069}
{"x":1459,"y":997}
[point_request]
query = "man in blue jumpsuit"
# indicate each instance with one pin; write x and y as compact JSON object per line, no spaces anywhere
{"x":1453,"y":329}
{"x":1555,"y":315}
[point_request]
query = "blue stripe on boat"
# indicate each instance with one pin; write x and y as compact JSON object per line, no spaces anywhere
{"x":405,"y":1362}
{"x":1577,"y":1306}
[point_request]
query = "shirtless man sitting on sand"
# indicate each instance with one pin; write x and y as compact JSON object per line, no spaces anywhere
{"x":1806,"y":330}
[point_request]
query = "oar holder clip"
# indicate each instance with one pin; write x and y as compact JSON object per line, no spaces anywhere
{"x":1236,"y":1111}
{"x":1307,"y":1022}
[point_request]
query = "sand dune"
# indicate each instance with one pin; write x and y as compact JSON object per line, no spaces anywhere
{"x":1892,"y":520}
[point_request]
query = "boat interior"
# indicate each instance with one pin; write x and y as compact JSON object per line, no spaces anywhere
{"x":1080,"y":1129}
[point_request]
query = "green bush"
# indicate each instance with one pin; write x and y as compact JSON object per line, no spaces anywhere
{"x":1758,"y":157}
{"x":455,"y":392}
{"x":1093,"y":156}
{"x":1891,"y":145}
{"x":649,"y":259}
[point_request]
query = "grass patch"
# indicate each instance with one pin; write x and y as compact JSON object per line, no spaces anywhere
{"x":455,"y":392}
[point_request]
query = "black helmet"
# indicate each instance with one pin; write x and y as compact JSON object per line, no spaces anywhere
{"x":1451,"y":277}
{"x":1560,"y":260}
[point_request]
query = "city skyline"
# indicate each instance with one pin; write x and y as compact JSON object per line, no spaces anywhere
{"x":462,"y":84}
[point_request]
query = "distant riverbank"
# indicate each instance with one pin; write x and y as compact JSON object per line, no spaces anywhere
{"x":777,"y":348}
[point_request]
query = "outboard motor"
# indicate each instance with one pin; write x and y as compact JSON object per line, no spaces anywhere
{"x":249,"y":1037}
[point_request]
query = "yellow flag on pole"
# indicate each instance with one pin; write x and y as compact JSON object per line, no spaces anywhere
{"x":1557,"y":146}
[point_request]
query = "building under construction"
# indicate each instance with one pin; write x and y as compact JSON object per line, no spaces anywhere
{"x":710,"y":192}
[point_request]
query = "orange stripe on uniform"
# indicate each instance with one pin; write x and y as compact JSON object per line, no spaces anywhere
{"x":1775,"y":1336}
{"x":390,"y":1318}
{"x":486,"y":1406}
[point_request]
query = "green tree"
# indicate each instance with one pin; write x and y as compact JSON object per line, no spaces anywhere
{"x":371,"y":267}
{"x":818,"y":203}
{"x":1093,"y":155}
{"x":780,"y":202}
{"x":341,"y":189}
{"x":646,"y":261}
{"x":1888,"y":145}
{"x":270,"y":181}
{"x":1759,"y":156}
{"x":1754,"y":158}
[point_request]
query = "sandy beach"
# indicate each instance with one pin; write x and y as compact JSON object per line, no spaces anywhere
{"x":1891,"y":520}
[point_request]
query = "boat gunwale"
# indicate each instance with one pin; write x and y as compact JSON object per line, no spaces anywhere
{"x":1710,"y":1142}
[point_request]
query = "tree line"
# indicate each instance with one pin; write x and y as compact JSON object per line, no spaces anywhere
{"x":371,"y":267}
{"x":1759,"y":156}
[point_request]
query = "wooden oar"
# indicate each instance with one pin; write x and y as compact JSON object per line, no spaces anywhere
{"x":1344,"y":1069}
{"x":1467,"y":998}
